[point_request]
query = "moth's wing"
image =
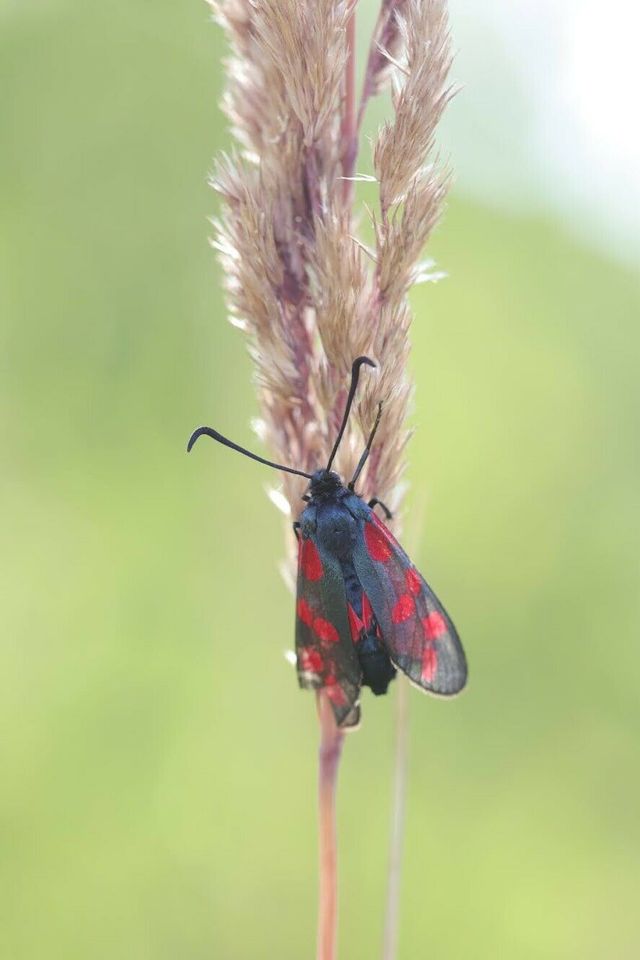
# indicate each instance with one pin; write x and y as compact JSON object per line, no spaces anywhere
{"x":417,"y":631}
{"x":326,"y":657}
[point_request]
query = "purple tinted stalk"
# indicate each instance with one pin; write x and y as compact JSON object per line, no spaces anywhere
{"x":330,"y":750}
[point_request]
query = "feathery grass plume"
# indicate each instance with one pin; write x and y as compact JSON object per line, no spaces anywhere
{"x":307,"y":293}
{"x":298,"y":282}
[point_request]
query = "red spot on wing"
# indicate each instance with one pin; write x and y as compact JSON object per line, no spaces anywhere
{"x":404,"y":608}
{"x":305,"y":612}
{"x":325,"y":630}
{"x":429,"y":663}
{"x":310,"y":562}
{"x":434,"y":625}
{"x":385,"y":530}
{"x":367,"y":612}
{"x":377,"y":542}
{"x":414,"y":584}
{"x":355,"y":623}
{"x":311,"y":661}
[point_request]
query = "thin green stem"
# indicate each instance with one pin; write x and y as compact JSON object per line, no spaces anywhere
{"x":398,"y":809}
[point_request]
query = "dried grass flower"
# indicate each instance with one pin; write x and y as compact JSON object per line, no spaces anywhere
{"x":301,"y":285}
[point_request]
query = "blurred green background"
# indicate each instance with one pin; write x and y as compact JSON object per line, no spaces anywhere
{"x":158,"y":760}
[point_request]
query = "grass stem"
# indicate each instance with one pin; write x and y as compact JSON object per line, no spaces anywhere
{"x":398,"y":811}
{"x":349,"y":132}
{"x":330,"y":750}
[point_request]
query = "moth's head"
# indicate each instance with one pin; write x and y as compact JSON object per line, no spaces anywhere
{"x":324,"y":483}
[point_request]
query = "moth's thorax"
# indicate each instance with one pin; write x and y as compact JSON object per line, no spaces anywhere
{"x":336,"y":528}
{"x":325,"y":485}
{"x":332,"y":514}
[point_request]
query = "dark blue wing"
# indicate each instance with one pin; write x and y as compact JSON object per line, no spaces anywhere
{"x":417,"y":632}
{"x":326,"y":657}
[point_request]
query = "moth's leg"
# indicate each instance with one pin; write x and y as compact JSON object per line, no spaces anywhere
{"x":296,"y":529}
{"x":379,"y":503}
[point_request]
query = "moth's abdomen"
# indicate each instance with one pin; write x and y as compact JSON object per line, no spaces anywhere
{"x":377,"y":669}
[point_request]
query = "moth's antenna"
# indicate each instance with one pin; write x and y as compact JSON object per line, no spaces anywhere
{"x":367,"y":450}
{"x":355,"y":373}
{"x":209,"y":432}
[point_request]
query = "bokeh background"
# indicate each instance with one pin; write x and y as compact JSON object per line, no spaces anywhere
{"x":158,"y":761}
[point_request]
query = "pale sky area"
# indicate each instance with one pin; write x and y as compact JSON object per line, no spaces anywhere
{"x":547,"y":120}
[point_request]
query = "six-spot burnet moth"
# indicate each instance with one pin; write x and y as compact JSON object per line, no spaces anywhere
{"x":362,"y":608}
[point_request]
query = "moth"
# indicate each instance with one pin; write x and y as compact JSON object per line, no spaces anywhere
{"x":363,"y":610}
